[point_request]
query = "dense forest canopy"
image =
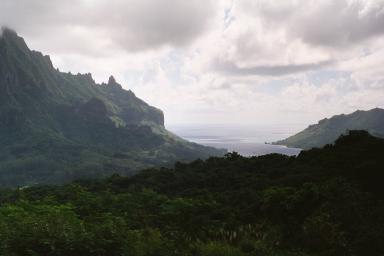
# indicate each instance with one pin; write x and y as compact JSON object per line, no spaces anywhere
{"x":325,"y":201}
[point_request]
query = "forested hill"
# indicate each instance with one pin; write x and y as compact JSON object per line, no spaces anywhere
{"x":329,"y":129}
{"x":56,"y":127}
{"x":323,"y":202}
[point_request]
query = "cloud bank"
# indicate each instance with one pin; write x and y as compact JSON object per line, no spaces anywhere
{"x":224,"y":61}
{"x":129,"y":24}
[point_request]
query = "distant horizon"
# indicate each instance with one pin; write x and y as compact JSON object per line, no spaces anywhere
{"x":298,"y":125}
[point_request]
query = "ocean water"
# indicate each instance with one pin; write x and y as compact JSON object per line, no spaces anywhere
{"x":246,"y":140}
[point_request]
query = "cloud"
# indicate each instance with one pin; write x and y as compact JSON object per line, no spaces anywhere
{"x":232,"y":69}
{"x":148,"y":24}
{"x":102,"y":24}
{"x":219,"y":61}
{"x":367,"y":68}
{"x":341,"y":23}
{"x":326,"y":23}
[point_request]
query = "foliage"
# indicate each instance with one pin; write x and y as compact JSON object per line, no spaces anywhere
{"x":324,"y":202}
{"x":56,"y":127}
{"x":328,"y":130}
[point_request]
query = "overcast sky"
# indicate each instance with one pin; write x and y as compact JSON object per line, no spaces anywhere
{"x":219,"y":62}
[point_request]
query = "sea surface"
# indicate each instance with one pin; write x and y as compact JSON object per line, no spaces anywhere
{"x":246,"y":140}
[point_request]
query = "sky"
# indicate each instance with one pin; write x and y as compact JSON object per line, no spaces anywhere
{"x":232,"y":62}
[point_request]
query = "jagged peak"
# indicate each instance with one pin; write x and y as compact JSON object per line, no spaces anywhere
{"x":11,"y":39}
{"x":87,"y":77}
{"x":9,"y":33}
{"x":6,"y":31}
{"x":112,"y":82}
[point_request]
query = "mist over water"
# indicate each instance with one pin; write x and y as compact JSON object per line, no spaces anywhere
{"x":246,"y":140}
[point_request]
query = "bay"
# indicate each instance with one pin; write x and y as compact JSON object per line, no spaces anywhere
{"x":246,"y":140}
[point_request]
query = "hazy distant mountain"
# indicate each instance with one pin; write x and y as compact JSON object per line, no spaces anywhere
{"x":56,"y":126}
{"x":328,"y":130}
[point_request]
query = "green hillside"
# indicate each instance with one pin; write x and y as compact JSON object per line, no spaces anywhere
{"x":324,"y":202}
{"x":328,"y":130}
{"x":56,"y":127}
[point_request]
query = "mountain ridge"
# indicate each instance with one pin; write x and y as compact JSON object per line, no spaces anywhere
{"x":57,"y":126}
{"x":327,"y":130}
{"x":32,"y":71}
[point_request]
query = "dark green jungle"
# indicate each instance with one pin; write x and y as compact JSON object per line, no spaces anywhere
{"x":326,"y":201}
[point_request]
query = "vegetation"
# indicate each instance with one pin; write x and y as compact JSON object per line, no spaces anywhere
{"x":328,"y":130}
{"x":325,"y":201}
{"x":56,"y":127}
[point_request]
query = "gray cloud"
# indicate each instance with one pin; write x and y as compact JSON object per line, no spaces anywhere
{"x":230,"y":68}
{"x":327,"y":23}
{"x":340,"y":23}
{"x":155,"y":23}
{"x":132,"y":25}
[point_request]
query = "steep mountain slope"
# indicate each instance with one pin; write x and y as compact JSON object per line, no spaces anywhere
{"x":56,"y":126}
{"x":328,"y":130}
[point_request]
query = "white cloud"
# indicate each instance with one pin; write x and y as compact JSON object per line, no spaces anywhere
{"x":285,"y":61}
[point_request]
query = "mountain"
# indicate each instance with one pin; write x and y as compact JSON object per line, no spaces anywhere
{"x":56,"y":127}
{"x":327,"y":130}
